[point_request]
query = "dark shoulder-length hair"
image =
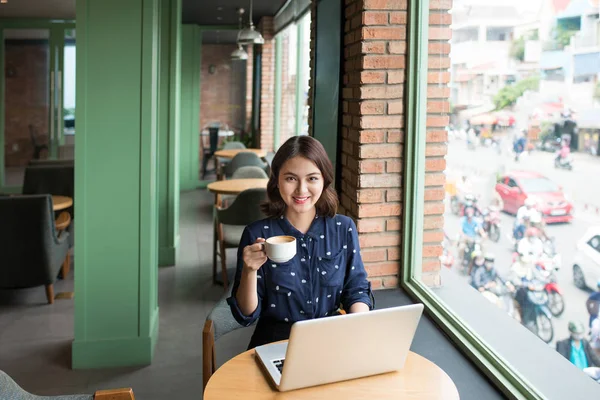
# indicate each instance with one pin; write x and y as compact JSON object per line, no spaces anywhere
{"x":311,"y":149}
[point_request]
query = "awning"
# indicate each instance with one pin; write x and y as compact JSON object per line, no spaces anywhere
{"x":586,"y":64}
{"x":576,"y":8}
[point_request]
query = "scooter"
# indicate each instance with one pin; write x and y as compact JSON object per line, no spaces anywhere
{"x":556,"y":300}
{"x":537,"y":316}
{"x":501,"y":296}
{"x":563,"y":162}
{"x":491,"y":223}
{"x":470,"y":246}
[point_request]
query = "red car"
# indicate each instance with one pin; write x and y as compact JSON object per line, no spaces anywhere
{"x":516,"y":186}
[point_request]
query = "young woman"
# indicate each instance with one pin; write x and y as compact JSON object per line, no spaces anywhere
{"x":327,"y":271}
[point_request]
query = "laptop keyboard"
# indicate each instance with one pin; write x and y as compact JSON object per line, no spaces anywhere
{"x":279,"y":364}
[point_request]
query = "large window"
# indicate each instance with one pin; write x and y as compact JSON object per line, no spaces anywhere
{"x":521,"y":205}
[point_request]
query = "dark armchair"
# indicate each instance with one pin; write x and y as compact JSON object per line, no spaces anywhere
{"x":32,"y":253}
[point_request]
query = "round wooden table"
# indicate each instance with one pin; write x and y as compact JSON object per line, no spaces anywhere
{"x":230,"y":153}
{"x":243,"y":378}
{"x":61,"y":202}
{"x":235,"y":186}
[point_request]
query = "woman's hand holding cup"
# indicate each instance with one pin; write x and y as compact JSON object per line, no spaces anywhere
{"x":254,"y":255}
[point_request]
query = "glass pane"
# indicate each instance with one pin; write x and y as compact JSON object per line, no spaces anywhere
{"x":66,"y":149}
{"x":287,"y":124}
{"x":305,"y":74}
{"x":523,"y":126}
{"x":26,"y":100}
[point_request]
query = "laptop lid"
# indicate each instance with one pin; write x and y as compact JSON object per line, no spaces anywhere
{"x":333,"y":349}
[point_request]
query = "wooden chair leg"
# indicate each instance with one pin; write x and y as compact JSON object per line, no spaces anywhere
{"x":223,"y":257}
{"x":50,"y":293}
{"x":66,"y":267}
{"x":208,"y":352}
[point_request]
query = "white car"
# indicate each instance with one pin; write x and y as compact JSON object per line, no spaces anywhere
{"x":586,"y":265}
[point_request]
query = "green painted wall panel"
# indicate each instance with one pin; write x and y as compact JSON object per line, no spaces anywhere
{"x":115,"y":183}
{"x":168,"y":145}
{"x":191,"y":47}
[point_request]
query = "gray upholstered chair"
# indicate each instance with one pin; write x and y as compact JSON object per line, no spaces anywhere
{"x":250,"y":172}
{"x":244,"y":159}
{"x":229,"y":146}
{"x":10,"y":390}
{"x":31,"y":251}
{"x":219,"y":322}
{"x":231,"y":221}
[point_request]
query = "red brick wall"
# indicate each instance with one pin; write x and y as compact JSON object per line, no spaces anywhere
{"x":26,"y":100}
{"x":249,"y":83}
{"x":216,"y":100}
{"x":265,"y":140}
{"x":373,"y":135}
{"x":287,"y":120}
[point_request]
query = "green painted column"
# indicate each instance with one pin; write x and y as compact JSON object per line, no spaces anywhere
{"x":168,"y":131}
{"x":191,"y":48}
{"x":116,"y":308}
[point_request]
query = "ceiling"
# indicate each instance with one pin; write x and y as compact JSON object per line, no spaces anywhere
{"x":201,"y":12}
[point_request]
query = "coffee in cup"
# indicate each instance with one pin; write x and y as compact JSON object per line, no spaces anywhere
{"x":280,"y":249}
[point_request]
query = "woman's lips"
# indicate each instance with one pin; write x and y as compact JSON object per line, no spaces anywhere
{"x":300,"y":200}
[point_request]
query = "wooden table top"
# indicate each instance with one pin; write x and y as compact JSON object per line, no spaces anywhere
{"x":230,"y":153}
{"x":61,"y":202}
{"x":243,"y":378}
{"x":236,"y":186}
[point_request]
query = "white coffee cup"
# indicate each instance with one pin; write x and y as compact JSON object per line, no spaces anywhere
{"x":280,"y":249}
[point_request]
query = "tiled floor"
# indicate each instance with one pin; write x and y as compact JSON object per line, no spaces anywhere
{"x":35,"y":338}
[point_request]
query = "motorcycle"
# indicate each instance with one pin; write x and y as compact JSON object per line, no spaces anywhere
{"x":556,"y":302}
{"x":536,"y":316}
{"x":457,"y":206}
{"x":501,"y":296}
{"x":471,"y":245}
{"x":563,"y":162}
{"x":491,"y":223}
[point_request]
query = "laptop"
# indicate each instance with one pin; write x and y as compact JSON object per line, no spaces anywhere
{"x":343,"y":347}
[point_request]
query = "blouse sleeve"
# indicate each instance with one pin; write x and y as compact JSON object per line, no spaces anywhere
{"x":357,"y":288}
{"x":245,"y":320}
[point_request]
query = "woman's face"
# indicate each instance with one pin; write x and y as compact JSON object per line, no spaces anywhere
{"x":300,"y":184}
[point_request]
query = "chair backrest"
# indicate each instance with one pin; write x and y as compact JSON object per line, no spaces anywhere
{"x":58,"y":162}
{"x":234,"y":146}
{"x":244,"y":159}
{"x":27,"y":234}
{"x":213,"y":134}
{"x":57,"y":180}
{"x":250,"y":173}
{"x":245,"y":209}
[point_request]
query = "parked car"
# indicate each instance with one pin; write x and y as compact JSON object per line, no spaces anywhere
{"x":586,"y":264}
{"x":516,"y":186}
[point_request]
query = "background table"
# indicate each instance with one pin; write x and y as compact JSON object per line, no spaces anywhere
{"x":222,"y":133}
{"x":61,"y":202}
{"x":243,"y":378}
{"x":230,"y":153}
{"x":235,"y":186}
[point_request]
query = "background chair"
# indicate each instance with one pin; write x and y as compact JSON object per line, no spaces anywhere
{"x":244,"y":159}
{"x":31,"y":252}
{"x":218,"y":323}
{"x":244,"y":173}
{"x":10,"y":390}
{"x":231,"y":221}
{"x":213,"y":135}
{"x":37,"y":147}
{"x":222,"y":162}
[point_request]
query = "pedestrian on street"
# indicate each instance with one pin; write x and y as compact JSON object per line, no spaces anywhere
{"x":593,"y":304}
{"x":576,"y":349}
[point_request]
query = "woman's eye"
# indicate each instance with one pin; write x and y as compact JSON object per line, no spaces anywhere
{"x":290,"y":178}
{"x":313,"y":178}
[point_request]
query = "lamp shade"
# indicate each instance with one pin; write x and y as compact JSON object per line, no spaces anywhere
{"x":239,"y":53}
{"x":249,"y":35}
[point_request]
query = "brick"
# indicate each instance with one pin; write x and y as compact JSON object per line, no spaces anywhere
{"x":381,"y":92}
{"x":393,"y":195}
{"x":372,"y":136}
{"x":395,"y":137}
{"x":393,"y":253}
{"x":434,"y":208}
{"x":383,"y":268}
{"x":371,"y":167}
{"x":370,"y":196}
{"x":438,"y":62}
{"x":372,"y":255}
{"x":439,"y":48}
{"x":397,"y":47}
{"x":380,"y":150}
{"x":376,"y":283}
{"x":434,"y":165}
{"x":437,"y":136}
{"x":383,"y":61}
{"x":433,"y":237}
{"x":378,"y":210}
{"x":438,"y":92}
{"x":437,"y":33}
{"x":375,"y":18}
{"x":438,"y":121}
{"x":371,"y":107}
{"x":433,"y":222}
{"x":379,"y":240}
{"x":372,"y":47}
{"x":432,"y":250}
{"x":431,"y":279}
{"x":438,"y":77}
{"x":438,"y":107}
{"x":398,"y":18}
{"x":387,"y":33}
{"x":434,"y":194}
{"x":440,"y":19}
{"x":430,"y":264}
{"x":395,"y":77}
{"x":393,"y":166}
{"x":370,"y":226}
{"x":435,"y":179}
{"x":440,"y":4}
{"x":381,"y":121}
{"x":395,"y":107}
{"x":436,"y":149}
{"x":385,"y":4}
{"x":390,"y":281}
{"x":372,"y":77}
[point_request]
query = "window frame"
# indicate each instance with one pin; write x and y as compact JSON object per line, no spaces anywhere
{"x":472,"y":345}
